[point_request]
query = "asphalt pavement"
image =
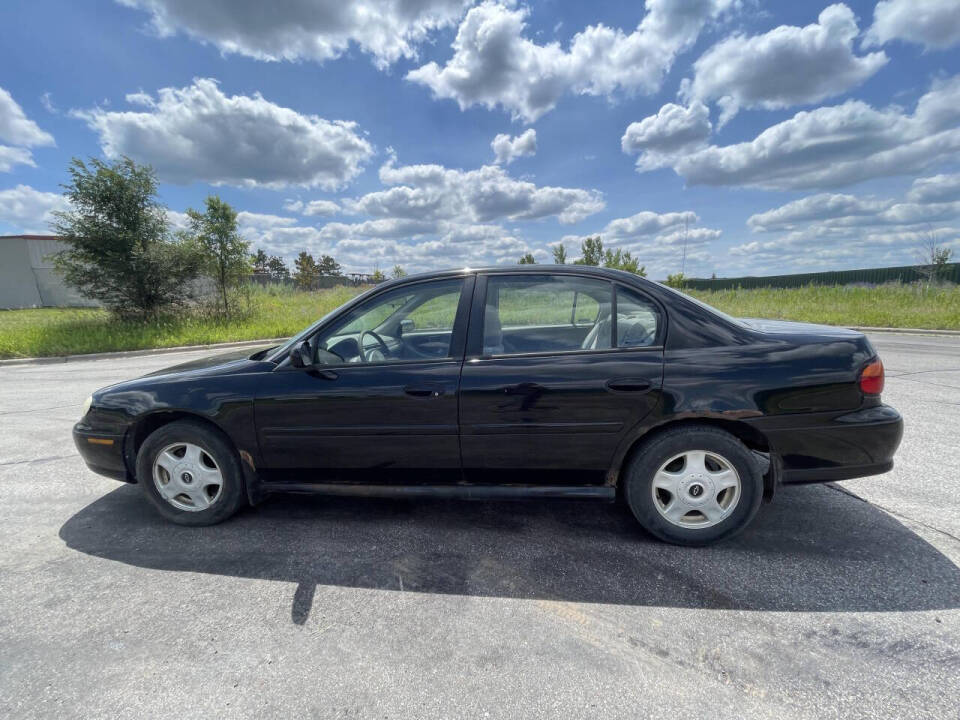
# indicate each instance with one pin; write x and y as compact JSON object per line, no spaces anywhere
{"x":840,"y":601}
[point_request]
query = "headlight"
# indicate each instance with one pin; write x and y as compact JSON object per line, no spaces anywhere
{"x":86,"y":406}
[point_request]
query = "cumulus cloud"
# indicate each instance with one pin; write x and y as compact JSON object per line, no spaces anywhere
{"x":493,"y":64}
{"x":10,"y":156}
{"x":672,"y":129}
{"x":824,"y":206}
{"x":198,"y":133}
{"x":786,"y":66}
{"x":935,"y":24}
{"x":433,"y":192}
{"x":939,"y":188}
{"x":313,"y":207}
{"x":315,"y":30}
{"x":506,"y":149}
{"x":28,"y":210}
{"x":16,"y":128}
{"x":831,"y":146}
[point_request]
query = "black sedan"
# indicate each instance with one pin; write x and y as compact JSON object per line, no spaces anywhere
{"x":520,"y":382}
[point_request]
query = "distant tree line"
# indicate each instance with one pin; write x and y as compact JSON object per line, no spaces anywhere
{"x":593,"y":253}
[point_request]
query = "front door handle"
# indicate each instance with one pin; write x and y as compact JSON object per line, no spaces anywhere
{"x":629,"y":384}
{"x":423,"y":390}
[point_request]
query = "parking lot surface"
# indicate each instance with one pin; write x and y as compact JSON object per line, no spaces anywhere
{"x":839,"y":601}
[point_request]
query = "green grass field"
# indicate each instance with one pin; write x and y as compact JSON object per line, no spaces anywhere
{"x":279,"y":312}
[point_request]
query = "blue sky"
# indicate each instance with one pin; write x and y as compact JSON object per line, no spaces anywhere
{"x":767,"y":137}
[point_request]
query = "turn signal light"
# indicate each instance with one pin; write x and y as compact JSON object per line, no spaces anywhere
{"x":871,"y":378}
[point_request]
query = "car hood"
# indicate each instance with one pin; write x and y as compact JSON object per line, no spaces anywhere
{"x":220,"y":364}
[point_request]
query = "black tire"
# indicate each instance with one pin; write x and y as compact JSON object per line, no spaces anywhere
{"x":231,"y":496}
{"x":650,"y":456}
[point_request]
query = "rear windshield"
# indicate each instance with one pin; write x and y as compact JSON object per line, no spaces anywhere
{"x":708,"y":308}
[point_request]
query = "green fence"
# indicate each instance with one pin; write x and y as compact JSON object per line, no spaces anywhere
{"x":872,"y":276}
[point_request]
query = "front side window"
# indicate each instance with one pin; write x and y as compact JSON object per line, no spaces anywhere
{"x":410,"y":323}
{"x":546,"y":313}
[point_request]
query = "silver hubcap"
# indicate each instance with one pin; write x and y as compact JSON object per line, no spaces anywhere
{"x":696,"y":489}
{"x":187,"y":477}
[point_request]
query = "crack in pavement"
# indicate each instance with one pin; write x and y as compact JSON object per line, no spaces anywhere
{"x":55,"y":407}
{"x":896,"y":514}
{"x":49,"y":458}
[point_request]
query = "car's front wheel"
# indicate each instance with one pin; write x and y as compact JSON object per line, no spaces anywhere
{"x":693,"y":485}
{"x":191,"y":473}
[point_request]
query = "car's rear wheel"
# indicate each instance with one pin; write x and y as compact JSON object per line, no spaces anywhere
{"x":693,"y":485}
{"x":191,"y":473}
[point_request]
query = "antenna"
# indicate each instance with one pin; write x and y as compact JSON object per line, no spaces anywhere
{"x":683,"y":261}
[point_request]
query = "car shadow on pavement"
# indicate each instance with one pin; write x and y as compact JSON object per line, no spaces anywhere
{"x":812,"y":549}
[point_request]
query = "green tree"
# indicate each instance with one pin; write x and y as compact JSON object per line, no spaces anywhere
{"x":119,"y":247}
{"x":591,"y":252}
{"x":328,"y":266}
{"x":260,"y":262}
{"x":623,"y":260}
{"x":278,"y":268}
{"x":223,"y":251}
{"x":399,"y":272}
{"x":378,"y":275}
{"x":527,"y":259}
{"x":559,"y":254}
{"x":677,"y":280}
{"x":306,"y":271}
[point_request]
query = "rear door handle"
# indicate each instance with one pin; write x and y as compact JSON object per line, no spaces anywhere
{"x":629,"y":384}
{"x":423,"y":390}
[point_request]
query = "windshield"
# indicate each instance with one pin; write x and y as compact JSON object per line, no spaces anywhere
{"x":709,"y":308}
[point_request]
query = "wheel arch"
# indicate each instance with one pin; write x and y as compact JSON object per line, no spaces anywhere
{"x":752,"y":438}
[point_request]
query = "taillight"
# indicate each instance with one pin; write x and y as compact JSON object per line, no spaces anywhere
{"x":871,"y":378}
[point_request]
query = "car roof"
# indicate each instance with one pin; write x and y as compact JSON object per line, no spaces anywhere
{"x":592,"y":270}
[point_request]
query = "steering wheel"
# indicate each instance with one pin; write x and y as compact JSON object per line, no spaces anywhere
{"x":381,"y":347}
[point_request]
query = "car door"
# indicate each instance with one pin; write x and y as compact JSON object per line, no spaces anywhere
{"x":379,"y":409}
{"x":549,"y":389}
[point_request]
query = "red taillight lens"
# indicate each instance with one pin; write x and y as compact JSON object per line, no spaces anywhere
{"x":871,"y":378}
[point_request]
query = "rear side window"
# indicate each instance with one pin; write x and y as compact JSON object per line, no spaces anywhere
{"x":638,"y":319}
{"x":546,"y":313}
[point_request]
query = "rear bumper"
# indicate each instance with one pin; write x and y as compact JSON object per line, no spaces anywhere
{"x":839,"y":447}
{"x":102,"y":452}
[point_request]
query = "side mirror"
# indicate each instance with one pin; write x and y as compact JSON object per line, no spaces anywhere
{"x":300,"y":355}
{"x":406,"y":326}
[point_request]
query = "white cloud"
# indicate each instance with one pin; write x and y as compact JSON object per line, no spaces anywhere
{"x":934,"y":24}
{"x":433,"y":192}
{"x":261,"y":221}
{"x":16,"y":128}
{"x":786,"y":66}
{"x":494,"y":64}
{"x":831,"y":146}
{"x":506,"y":149}
{"x":824,"y":206}
{"x":315,"y":30}
{"x":10,"y":156}
{"x":673,"y":128}
{"x":29,"y":211}
{"x":313,"y":207}
{"x":197,"y":133}
{"x":936,"y":189}
{"x":645,"y":224}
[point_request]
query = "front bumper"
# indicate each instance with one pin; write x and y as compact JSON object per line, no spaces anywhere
{"x":102,"y":452}
{"x":823,"y":448}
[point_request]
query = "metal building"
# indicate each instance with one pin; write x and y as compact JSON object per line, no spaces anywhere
{"x":27,"y":277}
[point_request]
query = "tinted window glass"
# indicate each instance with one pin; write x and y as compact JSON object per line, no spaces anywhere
{"x":546,"y":313}
{"x":410,"y":323}
{"x":638,"y":319}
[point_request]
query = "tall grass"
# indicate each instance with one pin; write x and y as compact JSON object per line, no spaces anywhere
{"x":275,"y":311}
{"x":267,"y":312}
{"x":892,"y":305}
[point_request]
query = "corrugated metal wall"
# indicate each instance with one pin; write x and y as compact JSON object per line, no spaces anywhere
{"x":872,"y":276}
{"x":27,"y":277}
